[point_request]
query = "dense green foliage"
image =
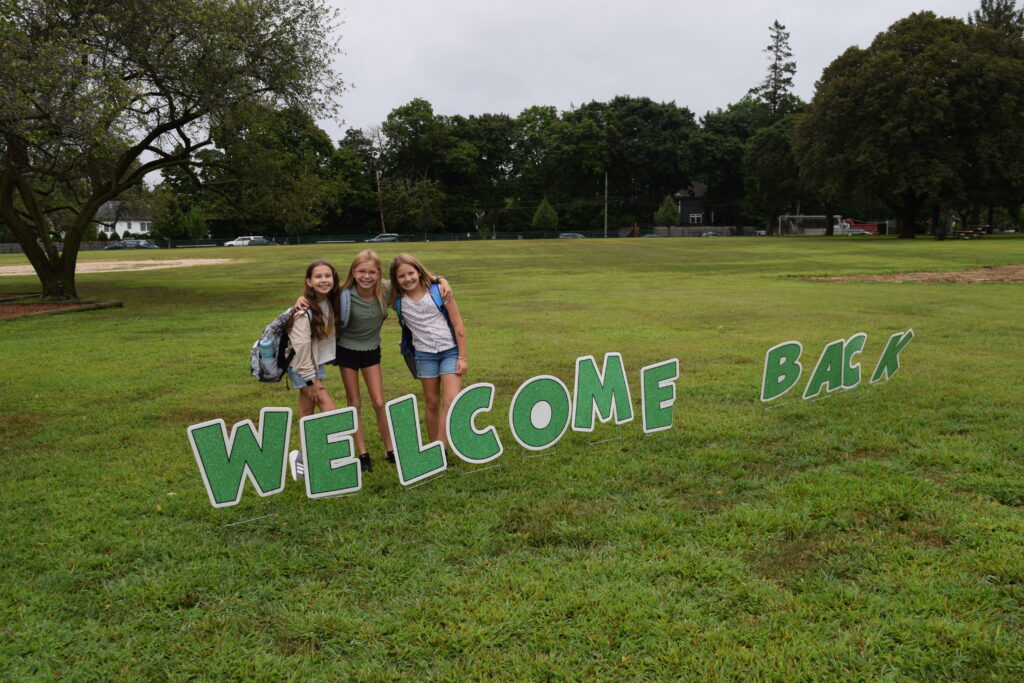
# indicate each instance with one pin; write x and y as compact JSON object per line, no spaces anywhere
{"x":95,"y":95}
{"x":930,"y":112}
{"x":876,"y":534}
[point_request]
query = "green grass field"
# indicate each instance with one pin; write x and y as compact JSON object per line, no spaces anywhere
{"x":876,"y":534}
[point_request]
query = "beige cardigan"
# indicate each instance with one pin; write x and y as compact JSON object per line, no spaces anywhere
{"x":309,"y":352}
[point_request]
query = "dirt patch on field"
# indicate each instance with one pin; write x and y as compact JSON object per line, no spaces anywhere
{"x":1013,"y":274}
{"x":25,"y":309}
{"x":109,"y":266}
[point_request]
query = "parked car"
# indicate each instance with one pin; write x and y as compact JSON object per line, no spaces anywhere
{"x":571,"y":236}
{"x":249,"y":241}
{"x":393,"y":237}
{"x":711,"y":234}
{"x":859,"y":231}
{"x":132,"y":244}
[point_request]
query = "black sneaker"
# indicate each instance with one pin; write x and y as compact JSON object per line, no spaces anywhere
{"x":390,"y":457}
{"x":364,"y":463}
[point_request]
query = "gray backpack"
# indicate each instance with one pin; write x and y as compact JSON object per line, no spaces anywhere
{"x":271,"y":355}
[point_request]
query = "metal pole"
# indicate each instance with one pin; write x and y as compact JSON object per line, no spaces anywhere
{"x":606,"y":203}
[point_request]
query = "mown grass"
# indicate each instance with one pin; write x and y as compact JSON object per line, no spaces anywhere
{"x":874,"y":534}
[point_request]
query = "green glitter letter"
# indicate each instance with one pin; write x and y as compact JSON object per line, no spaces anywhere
{"x":828,"y":371}
{"x":539,"y":414}
{"x":414,"y":461}
{"x":331,"y":468}
{"x":781,"y":369}
{"x":889,"y":362}
{"x":259,"y":454}
{"x":463,"y":438}
{"x":658,"y":394}
{"x":605,"y":393}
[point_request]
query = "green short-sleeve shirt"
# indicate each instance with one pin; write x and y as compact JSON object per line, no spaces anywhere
{"x":362,"y":333}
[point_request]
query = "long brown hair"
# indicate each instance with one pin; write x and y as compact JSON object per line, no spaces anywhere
{"x":378,"y":289}
{"x":408,"y":260}
{"x":320,"y":327}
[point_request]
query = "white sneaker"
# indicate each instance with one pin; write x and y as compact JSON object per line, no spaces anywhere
{"x":296,"y":465}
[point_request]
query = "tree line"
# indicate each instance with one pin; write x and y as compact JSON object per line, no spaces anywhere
{"x":926,"y":120}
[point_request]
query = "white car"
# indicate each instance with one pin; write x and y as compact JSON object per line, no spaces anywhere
{"x":247,"y":241}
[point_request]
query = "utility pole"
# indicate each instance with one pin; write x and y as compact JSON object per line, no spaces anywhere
{"x":606,"y":203}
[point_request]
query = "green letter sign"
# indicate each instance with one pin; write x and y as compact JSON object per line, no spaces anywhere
{"x":539,"y":414}
{"x":781,"y":369}
{"x":331,"y":467}
{"x":889,"y":362}
{"x":658,"y":394}
{"x":851,"y":371}
{"x":605,"y":393}
{"x":414,"y":461}
{"x":258,"y":454}
{"x":463,"y":438}
{"x":828,"y":371}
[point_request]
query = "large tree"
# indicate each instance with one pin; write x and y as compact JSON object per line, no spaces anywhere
{"x":96,"y":94}
{"x":906,"y":118}
{"x":274,"y":174}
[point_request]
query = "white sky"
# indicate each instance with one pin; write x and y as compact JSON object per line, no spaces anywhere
{"x":502,"y":56}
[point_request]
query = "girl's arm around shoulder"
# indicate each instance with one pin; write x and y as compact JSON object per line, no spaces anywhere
{"x":445,"y":290}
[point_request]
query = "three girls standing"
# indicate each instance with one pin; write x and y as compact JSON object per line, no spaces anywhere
{"x":361,"y":308}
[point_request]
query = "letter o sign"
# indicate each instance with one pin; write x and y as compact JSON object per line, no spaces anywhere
{"x":540,"y":412}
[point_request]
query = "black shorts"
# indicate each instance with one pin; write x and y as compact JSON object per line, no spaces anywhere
{"x":357,"y":360}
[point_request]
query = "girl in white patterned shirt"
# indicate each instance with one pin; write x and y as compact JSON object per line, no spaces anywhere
{"x":440,"y":341}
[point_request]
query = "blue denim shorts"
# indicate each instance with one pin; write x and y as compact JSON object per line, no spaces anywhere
{"x":436,"y":364}
{"x":295,"y":379}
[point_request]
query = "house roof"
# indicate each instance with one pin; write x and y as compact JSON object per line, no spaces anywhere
{"x":124,"y":210}
{"x":695,"y":190}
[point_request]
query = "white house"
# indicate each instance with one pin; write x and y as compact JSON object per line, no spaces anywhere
{"x":122,"y":216}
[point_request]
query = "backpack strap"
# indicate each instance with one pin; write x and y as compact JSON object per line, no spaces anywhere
{"x":344,"y":306}
{"x":435,"y":294}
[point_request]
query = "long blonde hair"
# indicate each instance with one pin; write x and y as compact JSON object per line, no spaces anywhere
{"x":378,"y":289}
{"x":426,"y":278}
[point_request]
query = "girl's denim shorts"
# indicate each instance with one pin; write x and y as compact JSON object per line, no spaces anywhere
{"x":436,"y":364}
{"x":295,"y":379}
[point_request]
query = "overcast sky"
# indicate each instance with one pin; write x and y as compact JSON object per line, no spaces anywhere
{"x":502,"y":56}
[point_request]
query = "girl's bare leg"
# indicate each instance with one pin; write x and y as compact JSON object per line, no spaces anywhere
{"x":432,"y":407}
{"x":306,"y":405}
{"x":375,"y":388}
{"x":352,"y":396}
{"x":324,"y":401}
{"x":450,"y":387}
